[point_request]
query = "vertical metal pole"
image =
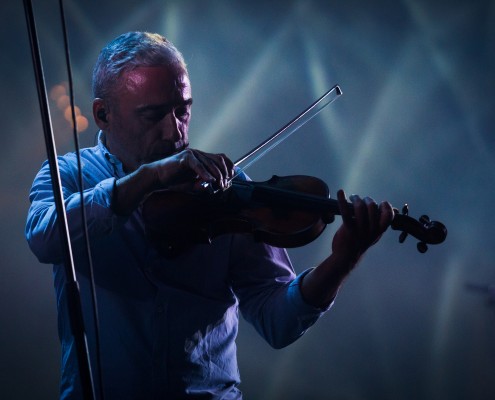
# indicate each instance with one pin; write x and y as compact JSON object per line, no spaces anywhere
{"x":72,"y":287}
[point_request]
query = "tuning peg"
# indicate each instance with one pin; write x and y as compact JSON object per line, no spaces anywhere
{"x":424,"y":219}
{"x":402,"y":237}
{"x":422,"y":247}
{"x":405,"y":209}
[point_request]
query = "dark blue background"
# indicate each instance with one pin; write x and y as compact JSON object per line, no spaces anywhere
{"x":415,"y":125}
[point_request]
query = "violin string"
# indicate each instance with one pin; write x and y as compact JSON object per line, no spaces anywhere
{"x":286,"y":131}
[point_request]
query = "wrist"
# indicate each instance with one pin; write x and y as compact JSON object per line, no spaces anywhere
{"x":148,"y":178}
{"x":131,"y":190}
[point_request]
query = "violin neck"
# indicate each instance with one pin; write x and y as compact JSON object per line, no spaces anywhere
{"x":297,"y":200}
{"x":310,"y":195}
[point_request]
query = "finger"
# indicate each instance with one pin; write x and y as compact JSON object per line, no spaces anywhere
{"x":226,"y":167}
{"x":212,"y":166}
{"x":346,"y":213}
{"x":373,"y":217}
{"x":361,"y":218}
{"x":386,"y":215}
{"x":203,"y":167}
{"x":230,"y":168}
{"x":219,"y":166}
{"x":190,"y":159}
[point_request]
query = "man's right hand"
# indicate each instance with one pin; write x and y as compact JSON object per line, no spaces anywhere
{"x":183,"y":171}
{"x":188,"y":169}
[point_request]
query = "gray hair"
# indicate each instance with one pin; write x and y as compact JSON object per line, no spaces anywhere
{"x":129,"y":51}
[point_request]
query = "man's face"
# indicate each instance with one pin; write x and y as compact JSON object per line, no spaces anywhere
{"x":149,"y":117}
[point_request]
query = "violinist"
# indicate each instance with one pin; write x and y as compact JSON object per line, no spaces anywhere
{"x":168,"y":324}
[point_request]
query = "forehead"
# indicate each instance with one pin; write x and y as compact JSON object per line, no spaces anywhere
{"x":156,"y":83}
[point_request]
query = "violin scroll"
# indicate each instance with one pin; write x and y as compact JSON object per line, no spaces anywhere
{"x":427,"y":231}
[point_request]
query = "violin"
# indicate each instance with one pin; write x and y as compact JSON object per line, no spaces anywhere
{"x":287,"y":212}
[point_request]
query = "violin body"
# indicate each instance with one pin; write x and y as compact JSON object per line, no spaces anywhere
{"x":262,"y":209}
{"x":289,"y":211}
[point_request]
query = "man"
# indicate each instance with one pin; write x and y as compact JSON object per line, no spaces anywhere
{"x":168,"y":325}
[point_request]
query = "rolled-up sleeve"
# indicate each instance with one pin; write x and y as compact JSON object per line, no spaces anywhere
{"x":269,"y":293}
{"x":42,"y":230}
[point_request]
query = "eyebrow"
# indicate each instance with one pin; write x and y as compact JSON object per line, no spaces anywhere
{"x":166,"y":106}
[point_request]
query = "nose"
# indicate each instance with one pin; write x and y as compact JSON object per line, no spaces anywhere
{"x":171,"y":129}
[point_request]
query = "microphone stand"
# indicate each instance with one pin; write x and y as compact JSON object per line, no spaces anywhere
{"x":71,"y":285}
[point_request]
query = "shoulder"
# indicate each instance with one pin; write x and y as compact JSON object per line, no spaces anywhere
{"x":88,"y":155}
{"x":68,"y":164}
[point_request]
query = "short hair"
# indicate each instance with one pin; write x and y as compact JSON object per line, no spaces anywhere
{"x":129,"y":51}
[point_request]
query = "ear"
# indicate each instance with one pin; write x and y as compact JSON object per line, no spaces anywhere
{"x":100,"y":113}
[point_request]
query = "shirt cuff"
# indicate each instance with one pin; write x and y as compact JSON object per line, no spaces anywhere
{"x":103,"y":197}
{"x":297,"y":299}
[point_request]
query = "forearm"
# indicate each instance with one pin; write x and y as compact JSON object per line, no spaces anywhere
{"x":320,"y":286}
{"x":131,"y":190}
{"x":42,"y":227}
{"x":360,"y":230}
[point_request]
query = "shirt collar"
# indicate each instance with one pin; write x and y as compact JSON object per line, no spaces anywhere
{"x":116,"y":164}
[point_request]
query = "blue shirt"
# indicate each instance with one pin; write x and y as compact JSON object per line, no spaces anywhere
{"x":167,"y":325}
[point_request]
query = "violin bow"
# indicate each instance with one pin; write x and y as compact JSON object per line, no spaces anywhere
{"x":288,"y":129}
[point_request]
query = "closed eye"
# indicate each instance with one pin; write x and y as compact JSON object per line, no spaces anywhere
{"x":153,"y":116}
{"x":182,"y":112}
{"x":155,"y":113}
